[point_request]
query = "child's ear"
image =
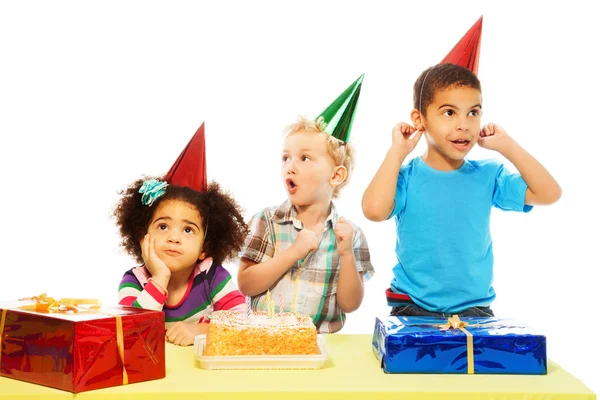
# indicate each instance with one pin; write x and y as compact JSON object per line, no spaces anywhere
{"x":418,"y":119}
{"x":202,"y":256}
{"x":340,"y":173}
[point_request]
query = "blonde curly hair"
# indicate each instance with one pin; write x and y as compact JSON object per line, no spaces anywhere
{"x":341,"y":153}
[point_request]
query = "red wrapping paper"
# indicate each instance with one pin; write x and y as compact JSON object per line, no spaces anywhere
{"x":79,"y":352}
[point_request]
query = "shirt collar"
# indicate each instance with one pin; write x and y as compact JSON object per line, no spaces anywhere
{"x":286,"y":212}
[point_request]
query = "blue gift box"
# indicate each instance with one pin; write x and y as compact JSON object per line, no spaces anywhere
{"x":419,"y":345}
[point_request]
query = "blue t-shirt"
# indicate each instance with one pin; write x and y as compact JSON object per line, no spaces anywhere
{"x":443,"y":244}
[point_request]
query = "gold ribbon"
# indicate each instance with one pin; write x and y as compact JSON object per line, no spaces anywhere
{"x":121,"y":347}
{"x":455,"y":323}
{"x":2,"y":319}
{"x":46,"y":304}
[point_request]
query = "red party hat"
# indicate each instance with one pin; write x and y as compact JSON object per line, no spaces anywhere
{"x":466,"y":51}
{"x":190,"y":168}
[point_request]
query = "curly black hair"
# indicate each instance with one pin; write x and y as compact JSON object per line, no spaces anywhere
{"x":226,"y":227}
{"x":438,"y":78}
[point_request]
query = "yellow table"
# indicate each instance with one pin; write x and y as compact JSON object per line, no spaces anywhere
{"x":352,"y":373}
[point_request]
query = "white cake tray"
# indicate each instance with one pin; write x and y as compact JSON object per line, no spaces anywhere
{"x":316,"y":361}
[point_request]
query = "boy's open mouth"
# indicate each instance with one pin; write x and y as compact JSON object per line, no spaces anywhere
{"x":461,"y":143}
{"x":291,"y":185}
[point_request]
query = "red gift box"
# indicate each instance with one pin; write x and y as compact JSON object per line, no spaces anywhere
{"x":82,"y":351}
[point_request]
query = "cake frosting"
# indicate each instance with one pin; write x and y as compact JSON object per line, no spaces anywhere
{"x":237,"y":333}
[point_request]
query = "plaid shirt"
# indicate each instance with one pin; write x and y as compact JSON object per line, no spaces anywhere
{"x":272,"y":231}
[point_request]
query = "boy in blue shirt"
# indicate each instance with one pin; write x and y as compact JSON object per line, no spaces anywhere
{"x":442,"y":201}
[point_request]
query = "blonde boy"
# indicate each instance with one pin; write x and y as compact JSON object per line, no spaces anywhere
{"x":308,"y":257}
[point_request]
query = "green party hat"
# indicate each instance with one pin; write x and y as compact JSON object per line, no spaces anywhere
{"x":338,"y":117}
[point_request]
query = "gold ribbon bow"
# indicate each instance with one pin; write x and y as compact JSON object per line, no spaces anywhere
{"x":46,"y":304}
{"x":455,"y":323}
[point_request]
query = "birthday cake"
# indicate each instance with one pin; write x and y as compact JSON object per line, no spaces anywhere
{"x":237,"y":333}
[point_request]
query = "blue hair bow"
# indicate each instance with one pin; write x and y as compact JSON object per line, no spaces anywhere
{"x":152,"y":190}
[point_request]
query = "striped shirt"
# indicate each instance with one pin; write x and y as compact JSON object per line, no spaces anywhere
{"x":209,"y":289}
{"x":310,"y":285}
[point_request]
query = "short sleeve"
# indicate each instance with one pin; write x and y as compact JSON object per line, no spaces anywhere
{"x":509,"y":191}
{"x":362,"y":256}
{"x":259,"y":246}
{"x":400,"y":197}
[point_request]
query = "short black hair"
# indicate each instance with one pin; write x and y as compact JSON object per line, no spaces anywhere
{"x":438,"y":78}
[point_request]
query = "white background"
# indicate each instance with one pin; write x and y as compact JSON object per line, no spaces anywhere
{"x":93,"y":95}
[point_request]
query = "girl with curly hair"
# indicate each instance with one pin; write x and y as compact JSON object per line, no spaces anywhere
{"x":181,"y":230}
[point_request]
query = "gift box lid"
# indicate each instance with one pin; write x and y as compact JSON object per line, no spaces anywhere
{"x":82,"y":315}
{"x":478,"y":326}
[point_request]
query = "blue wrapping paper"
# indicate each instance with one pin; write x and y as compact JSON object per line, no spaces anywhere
{"x":418,"y":345}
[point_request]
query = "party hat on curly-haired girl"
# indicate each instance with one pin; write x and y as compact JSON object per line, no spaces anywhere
{"x":190,"y":168}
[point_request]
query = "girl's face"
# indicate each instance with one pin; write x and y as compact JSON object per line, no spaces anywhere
{"x":177,"y":229}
